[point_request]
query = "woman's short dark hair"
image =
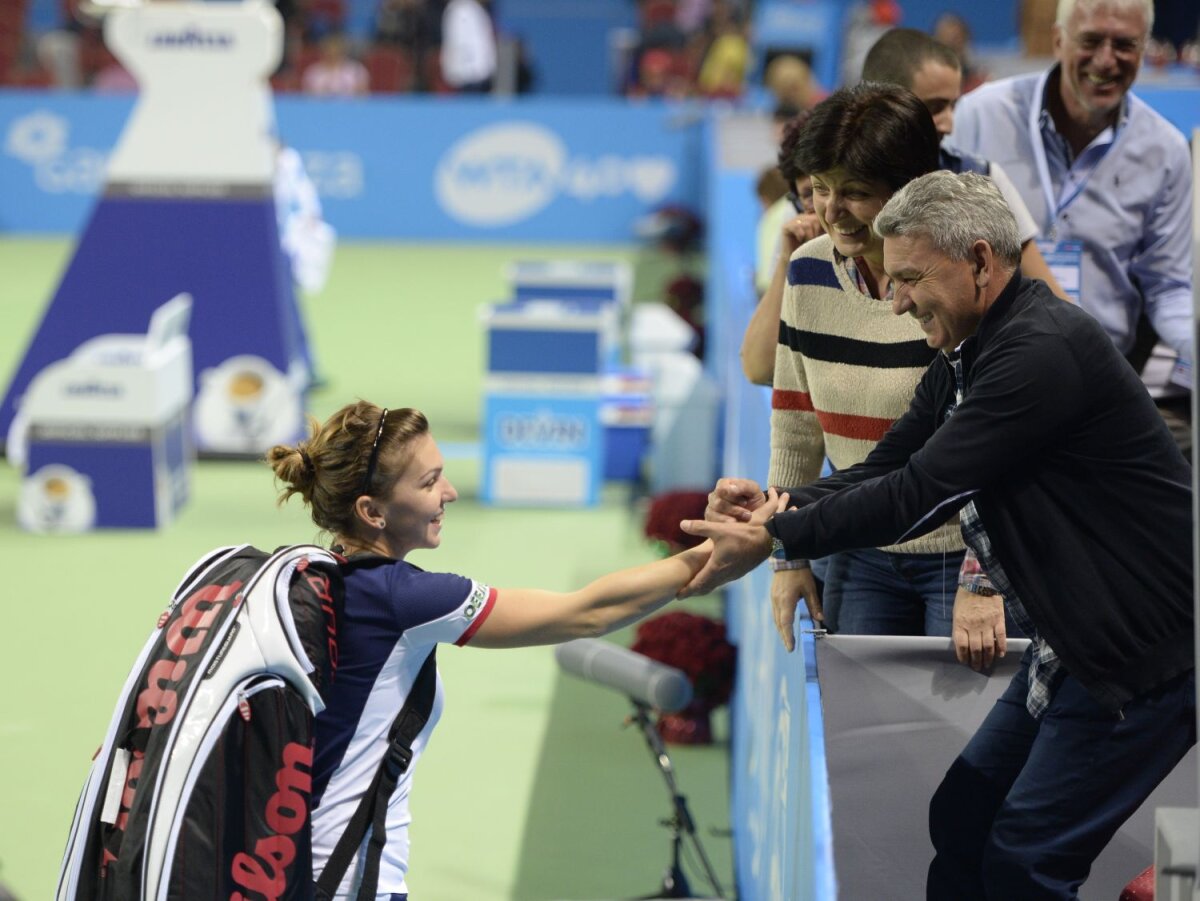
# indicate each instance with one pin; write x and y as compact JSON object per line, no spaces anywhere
{"x":876,"y":132}
{"x":787,"y":148}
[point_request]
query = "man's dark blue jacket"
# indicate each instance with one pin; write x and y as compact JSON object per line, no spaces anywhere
{"x":1083,"y":493}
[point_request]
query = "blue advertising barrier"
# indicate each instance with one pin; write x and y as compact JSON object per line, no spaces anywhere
{"x":425,"y":169}
{"x":779,"y":803}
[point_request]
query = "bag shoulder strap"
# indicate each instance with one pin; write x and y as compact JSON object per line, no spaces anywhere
{"x":372,"y":809}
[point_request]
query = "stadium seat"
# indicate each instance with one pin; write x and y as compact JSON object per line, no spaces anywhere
{"x":389,"y":69}
{"x":435,"y":83}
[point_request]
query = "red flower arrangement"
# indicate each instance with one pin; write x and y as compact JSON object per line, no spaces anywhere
{"x":696,"y":645}
{"x":663,"y":517}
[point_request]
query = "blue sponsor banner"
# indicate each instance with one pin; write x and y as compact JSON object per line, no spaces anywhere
{"x":403,"y":169}
{"x":53,"y":153}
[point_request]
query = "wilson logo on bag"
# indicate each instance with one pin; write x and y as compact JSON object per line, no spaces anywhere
{"x":203,"y":786}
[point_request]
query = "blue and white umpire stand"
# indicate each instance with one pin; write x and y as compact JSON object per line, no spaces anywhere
{"x":103,"y":434}
{"x":188,"y":207}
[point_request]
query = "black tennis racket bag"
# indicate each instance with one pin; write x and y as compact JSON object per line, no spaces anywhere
{"x":203,"y":785}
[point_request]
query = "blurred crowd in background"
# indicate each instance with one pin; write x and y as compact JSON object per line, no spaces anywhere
{"x":680,"y":48}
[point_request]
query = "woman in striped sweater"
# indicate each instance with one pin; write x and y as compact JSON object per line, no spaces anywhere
{"x":846,"y":366}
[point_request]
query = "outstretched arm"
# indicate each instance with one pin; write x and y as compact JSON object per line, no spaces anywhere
{"x":530,"y":616}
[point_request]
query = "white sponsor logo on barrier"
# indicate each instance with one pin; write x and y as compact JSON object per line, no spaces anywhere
{"x":504,"y":173}
{"x":39,"y":136}
{"x":335,"y":173}
{"x":42,"y":140}
{"x":543,"y":429}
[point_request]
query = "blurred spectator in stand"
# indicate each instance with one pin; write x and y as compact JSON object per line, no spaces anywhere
{"x":660,"y":57}
{"x":659,"y":75}
{"x":691,"y":15}
{"x":60,"y":51}
{"x":723,"y":70}
{"x":321,"y":18}
{"x":1189,"y":54}
{"x":414,"y":26}
{"x":952,"y":30}
{"x":335,"y":73}
{"x":791,"y":83}
{"x":865,"y":24}
{"x":1036,"y":18}
{"x":659,"y":26}
{"x":1159,"y":54}
{"x":114,"y":78}
{"x":468,"y":46}
{"x":1177,"y":23}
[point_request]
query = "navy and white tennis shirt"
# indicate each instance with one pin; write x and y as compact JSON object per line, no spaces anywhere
{"x":395,"y":613}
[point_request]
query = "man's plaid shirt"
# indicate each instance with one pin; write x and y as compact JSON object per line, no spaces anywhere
{"x":981,"y":570}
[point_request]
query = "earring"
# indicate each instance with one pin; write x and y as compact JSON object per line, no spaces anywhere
{"x":382,"y":525}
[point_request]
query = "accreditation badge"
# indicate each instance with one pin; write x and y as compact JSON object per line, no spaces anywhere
{"x":1065,"y":259}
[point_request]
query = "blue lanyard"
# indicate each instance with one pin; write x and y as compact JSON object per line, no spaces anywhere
{"x":1037,"y":139}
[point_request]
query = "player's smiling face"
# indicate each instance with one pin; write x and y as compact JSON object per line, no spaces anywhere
{"x":414,"y":510}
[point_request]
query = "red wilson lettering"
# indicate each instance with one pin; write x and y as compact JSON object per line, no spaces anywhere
{"x":264,"y":872}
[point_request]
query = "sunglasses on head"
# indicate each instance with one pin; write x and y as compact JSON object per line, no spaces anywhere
{"x":374,"y":458}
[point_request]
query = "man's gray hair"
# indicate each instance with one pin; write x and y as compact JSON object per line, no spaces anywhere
{"x":1066,"y":7}
{"x":953,"y":212}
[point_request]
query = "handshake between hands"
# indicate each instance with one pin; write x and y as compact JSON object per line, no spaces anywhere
{"x":735,"y":521}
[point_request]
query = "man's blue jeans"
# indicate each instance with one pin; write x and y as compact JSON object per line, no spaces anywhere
{"x":872,"y":592}
{"x":1029,"y":804}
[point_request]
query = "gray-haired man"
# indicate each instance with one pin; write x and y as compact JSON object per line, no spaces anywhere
{"x":1078,"y":504}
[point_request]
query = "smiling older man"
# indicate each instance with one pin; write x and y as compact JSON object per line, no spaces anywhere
{"x":1077,"y":502}
{"x":1107,"y":179}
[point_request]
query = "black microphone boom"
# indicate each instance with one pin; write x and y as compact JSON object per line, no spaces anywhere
{"x":636,"y":675}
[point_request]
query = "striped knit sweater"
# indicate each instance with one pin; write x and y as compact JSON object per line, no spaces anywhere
{"x":845,"y":369}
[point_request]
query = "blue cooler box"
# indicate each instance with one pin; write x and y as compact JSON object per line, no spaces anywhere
{"x":543,"y":442}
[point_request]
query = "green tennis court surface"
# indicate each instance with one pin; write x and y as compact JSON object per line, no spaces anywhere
{"x":532,"y":789}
